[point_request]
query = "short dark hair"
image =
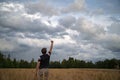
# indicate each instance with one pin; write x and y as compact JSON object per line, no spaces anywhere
{"x":44,"y":50}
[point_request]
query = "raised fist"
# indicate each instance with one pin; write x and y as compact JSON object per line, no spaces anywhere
{"x":52,"y":41}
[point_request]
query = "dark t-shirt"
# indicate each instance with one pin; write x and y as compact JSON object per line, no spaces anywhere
{"x":44,"y":61}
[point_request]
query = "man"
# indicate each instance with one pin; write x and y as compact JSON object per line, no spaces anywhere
{"x":43,"y":63}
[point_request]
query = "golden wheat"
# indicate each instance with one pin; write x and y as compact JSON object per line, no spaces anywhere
{"x":61,"y":74}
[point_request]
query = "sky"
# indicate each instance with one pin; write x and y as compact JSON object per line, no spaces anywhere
{"x":83,"y":29}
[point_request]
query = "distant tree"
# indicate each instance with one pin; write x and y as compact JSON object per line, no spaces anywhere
{"x":71,"y":62}
{"x":1,"y":60}
{"x":99,"y":64}
{"x":68,"y":63}
{"x":32,"y":63}
{"x":89,"y":64}
{"x":8,"y":62}
{"x":82,"y":64}
{"x":15,"y":63}
{"x":24,"y":64}
{"x":112,"y":63}
{"x":64,"y":63}
{"x":55,"y":64}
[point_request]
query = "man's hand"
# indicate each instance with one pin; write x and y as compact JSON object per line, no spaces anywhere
{"x":52,"y":41}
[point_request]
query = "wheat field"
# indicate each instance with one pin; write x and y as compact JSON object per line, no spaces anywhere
{"x":61,"y":74}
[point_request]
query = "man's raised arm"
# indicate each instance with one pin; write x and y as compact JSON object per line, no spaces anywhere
{"x":51,"y":47}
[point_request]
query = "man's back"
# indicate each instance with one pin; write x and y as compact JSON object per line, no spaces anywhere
{"x":44,"y":61}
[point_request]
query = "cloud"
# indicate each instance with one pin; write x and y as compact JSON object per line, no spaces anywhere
{"x":6,"y":45}
{"x":115,"y":19}
{"x":76,"y":6}
{"x":27,"y":27}
{"x":43,"y":7}
{"x":18,"y":19}
{"x":110,"y":41}
{"x":96,"y":12}
{"x":114,"y":28}
{"x":107,"y":7}
{"x":32,"y":42}
{"x":67,"y":21}
{"x":87,"y":29}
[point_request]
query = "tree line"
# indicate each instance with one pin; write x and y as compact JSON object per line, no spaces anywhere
{"x":75,"y":63}
{"x":7,"y":62}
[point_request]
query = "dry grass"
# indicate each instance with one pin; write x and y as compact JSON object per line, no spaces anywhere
{"x":61,"y":74}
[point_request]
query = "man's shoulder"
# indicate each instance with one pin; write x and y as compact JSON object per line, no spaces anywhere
{"x":44,"y":55}
{"x":47,"y":55}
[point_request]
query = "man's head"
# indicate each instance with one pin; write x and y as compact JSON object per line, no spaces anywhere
{"x":44,"y":50}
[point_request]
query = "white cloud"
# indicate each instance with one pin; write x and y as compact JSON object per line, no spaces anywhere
{"x":33,"y":42}
{"x":6,"y":45}
{"x":87,"y":29}
{"x":11,"y":7}
{"x":32,"y":17}
{"x":96,"y":12}
{"x":76,"y":6}
{"x":110,"y":41}
{"x":67,"y":21}
{"x":66,"y":39}
{"x":72,"y":32}
{"x":114,"y":28}
{"x":41,"y":7}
